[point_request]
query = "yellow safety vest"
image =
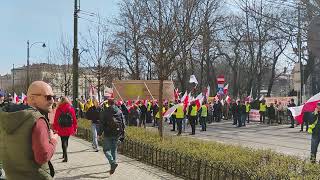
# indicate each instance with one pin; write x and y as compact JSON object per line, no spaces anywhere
{"x":158,"y":113}
{"x":247,"y":108}
{"x":180,"y":113}
{"x":194,"y":111}
{"x":263,"y":108}
{"x":81,"y":106}
{"x":312,"y":126}
{"x":149,"y":106}
{"x":204,"y":111}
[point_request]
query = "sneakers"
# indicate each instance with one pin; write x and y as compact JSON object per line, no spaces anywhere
{"x":113,"y":168}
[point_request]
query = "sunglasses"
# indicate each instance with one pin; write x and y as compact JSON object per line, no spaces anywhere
{"x":48,"y":97}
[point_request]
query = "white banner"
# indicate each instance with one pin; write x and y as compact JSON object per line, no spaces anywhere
{"x":254,"y":115}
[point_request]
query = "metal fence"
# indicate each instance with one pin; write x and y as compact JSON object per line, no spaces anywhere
{"x":178,"y":164}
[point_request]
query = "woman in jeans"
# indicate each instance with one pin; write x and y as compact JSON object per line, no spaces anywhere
{"x":65,"y":124}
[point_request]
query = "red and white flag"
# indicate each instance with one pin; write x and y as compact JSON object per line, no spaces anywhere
{"x":207,"y":92}
{"x":225,"y":89}
{"x":228,"y":99}
{"x":176,"y":94}
{"x":309,"y":106}
{"x":23,"y":97}
{"x":184,"y":96}
{"x":171,"y":110}
{"x":15,"y":98}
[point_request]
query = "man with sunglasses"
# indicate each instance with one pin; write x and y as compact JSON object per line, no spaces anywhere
{"x":27,"y":139}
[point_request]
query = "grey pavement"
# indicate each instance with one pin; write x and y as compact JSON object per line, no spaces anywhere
{"x":276,"y":137}
{"x":84,"y":163}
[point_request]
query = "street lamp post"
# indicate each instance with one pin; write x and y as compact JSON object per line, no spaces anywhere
{"x":28,"y":59}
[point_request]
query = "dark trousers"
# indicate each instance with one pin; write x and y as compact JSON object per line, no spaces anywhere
{"x":262,"y":116}
{"x":292,"y":121}
{"x":193,"y":123}
{"x":173,"y":119}
{"x":179,"y":125}
{"x":149,"y":117}
{"x":64,"y":143}
{"x":280,"y":116}
{"x":248,"y":119}
{"x":142,"y":120}
{"x":203,"y":123}
{"x":234,"y":119}
{"x":314,"y":147}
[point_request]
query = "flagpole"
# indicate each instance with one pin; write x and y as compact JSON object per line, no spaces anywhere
{"x":117,"y":91}
{"x":148,"y":90}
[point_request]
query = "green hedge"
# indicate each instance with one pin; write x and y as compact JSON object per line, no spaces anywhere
{"x":254,"y":164}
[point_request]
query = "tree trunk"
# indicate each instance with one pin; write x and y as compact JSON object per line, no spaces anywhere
{"x":273,"y":74}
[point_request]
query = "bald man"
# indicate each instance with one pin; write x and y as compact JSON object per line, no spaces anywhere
{"x":28,"y":143}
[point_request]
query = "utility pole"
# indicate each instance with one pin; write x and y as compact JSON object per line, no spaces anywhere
{"x":299,"y":44}
{"x":75,"y":65}
{"x":28,"y":64}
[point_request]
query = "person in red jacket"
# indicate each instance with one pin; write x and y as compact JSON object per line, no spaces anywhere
{"x":65,"y":124}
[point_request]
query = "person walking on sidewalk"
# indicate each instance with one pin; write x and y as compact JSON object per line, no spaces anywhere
{"x":291,"y":104}
{"x":314,"y":129}
{"x":29,"y":142}
{"x":93,"y":115}
{"x":65,"y":124}
{"x":113,"y":129}
{"x":2,"y":104}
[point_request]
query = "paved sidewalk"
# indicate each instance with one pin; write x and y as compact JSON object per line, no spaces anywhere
{"x":279,"y":138}
{"x":84,"y":163}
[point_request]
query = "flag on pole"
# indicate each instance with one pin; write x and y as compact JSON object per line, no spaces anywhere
{"x":207,"y":93}
{"x":309,"y":106}
{"x":15,"y":98}
{"x":176,"y":94}
{"x":228,"y":99}
{"x":171,"y":110}
{"x":193,"y":79}
{"x":184,"y":96}
{"x":261,"y":98}
{"x":225,"y":89}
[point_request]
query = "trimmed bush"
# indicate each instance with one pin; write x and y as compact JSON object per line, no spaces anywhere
{"x":201,"y":157}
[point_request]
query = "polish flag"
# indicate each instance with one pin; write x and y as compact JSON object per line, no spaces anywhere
{"x":187,"y":101}
{"x":309,"y":106}
{"x":171,"y":110}
{"x":176,"y":94}
{"x":206,"y":92}
{"x":15,"y":99}
{"x":23,"y":97}
{"x":199,"y":100}
{"x":184,"y":96}
{"x":228,"y":99}
{"x":225,"y":89}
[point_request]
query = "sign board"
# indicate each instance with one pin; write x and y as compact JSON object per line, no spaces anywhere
{"x":254,"y":115}
{"x":144,"y":89}
{"x":284,"y":100}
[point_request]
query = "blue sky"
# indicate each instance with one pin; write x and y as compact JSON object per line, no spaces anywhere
{"x":41,"y":20}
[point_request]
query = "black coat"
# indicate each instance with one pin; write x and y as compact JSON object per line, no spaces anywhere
{"x":93,"y":114}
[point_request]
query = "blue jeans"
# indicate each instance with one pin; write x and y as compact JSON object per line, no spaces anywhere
{"x":243,"y":119}
{"x":95,"y":129}
{"x":110,"y":149}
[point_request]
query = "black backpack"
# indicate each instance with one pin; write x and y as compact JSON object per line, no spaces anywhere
{"x":113,"y":121}
{"x":65,"y":119}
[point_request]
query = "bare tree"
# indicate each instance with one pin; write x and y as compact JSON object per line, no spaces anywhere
{"x":97,"y":58}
